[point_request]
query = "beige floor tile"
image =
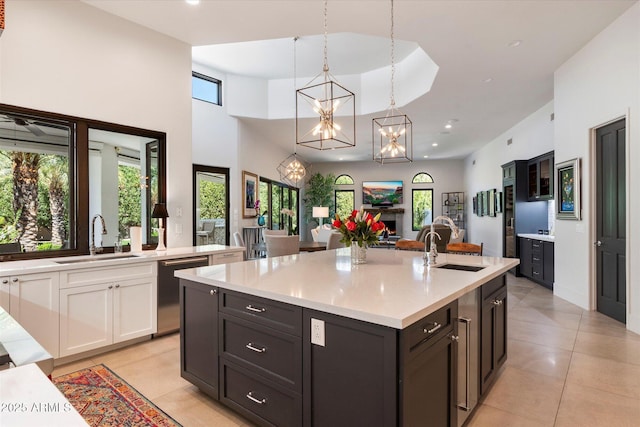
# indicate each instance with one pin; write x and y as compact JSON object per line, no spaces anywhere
{"x":191,"y":408}
{"x":526,"y":394}
{"x":545,"y":300}
{"x":588,"y":407}
{"x":72,"y":367}
{"x":538,"y":359}
{"x":119,"y":358}
{"x":605,"y":374}
{"x":597,"y":323}
{"x":609,"y":347}
{"x":546,"y":335}
{"x":543,"y":316}
{"x":488,"y":416}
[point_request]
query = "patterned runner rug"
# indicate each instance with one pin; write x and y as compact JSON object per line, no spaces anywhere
{"x":105,"y":399}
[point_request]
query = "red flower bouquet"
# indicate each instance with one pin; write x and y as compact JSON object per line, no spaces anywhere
{"x":360,"y":227}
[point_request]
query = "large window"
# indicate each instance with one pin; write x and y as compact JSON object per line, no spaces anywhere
{"x":277,"y":201}
{"x":345,"y":198}
{"x":421,"y":208}
{"x":206,"y":88}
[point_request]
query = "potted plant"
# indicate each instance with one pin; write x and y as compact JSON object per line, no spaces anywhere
{"x":319,"y":192}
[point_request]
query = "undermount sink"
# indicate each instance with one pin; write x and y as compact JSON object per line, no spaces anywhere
{"x":460,"y":267}
{"x":95,"y":258}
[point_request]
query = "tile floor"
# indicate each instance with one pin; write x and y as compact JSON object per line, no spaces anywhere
{"x":566,"y":367}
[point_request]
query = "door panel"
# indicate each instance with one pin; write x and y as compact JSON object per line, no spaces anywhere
{"x":611,"y":220}
{"x":210,"y":205}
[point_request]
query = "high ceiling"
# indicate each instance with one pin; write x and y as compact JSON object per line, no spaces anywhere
{"x":484,"y":82}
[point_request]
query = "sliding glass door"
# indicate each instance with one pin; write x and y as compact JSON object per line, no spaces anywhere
{"x":211,"y":205}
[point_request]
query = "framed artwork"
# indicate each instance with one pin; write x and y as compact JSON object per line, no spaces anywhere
{"x":485,"y":202}
{"x":249,"y":194}
{"x":568,"y":189}
{"x":475,"y":204}
{"x":492,"y":202}
{"x":499,"y":202}
{"x":480,"y":197}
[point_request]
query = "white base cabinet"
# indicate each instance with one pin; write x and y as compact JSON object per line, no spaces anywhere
{"x":32,"y":300}
{"x":99,"y":307}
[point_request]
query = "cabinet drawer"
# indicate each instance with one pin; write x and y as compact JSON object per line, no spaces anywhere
{"x":272,"y":353}
{"x":416,"y":337}
{"x":536,"y":246}
{"x":260,"y":400}
{"x":226,"y":258}
{"x":89,"y":276}
{"x":278,"y":315}
{"x":493,"y":285}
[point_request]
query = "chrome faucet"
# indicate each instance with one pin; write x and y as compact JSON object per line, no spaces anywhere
{"x":92,"y":248}
{"x":432,"y":254}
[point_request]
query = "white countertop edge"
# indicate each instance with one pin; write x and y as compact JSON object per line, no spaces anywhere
{"x":366,"y":316}
{"x":41,"y":265}
{"x":545,"y":237}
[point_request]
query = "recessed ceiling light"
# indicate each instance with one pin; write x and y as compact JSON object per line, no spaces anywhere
{"x":193,"y":2}
{"x":426,"y":156}
{"x":340,"y":158}
{"x":488,"y":80}
{"x":435,"y":144}
{"x":448,"y":126}
{"x":515,"y":43}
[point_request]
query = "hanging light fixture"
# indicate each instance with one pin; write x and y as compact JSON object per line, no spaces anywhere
{"x":331,"y":104}
{"x":293,"y":169}
{"x":393,"y":133}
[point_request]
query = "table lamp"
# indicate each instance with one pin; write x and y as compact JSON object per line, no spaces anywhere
{"x":320,"y":212}
{"x":160,"y":212}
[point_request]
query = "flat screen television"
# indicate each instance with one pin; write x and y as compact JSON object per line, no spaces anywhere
{"x":382,"y":193}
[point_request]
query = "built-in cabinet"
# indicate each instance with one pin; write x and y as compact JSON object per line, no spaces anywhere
{"x":537,"y":260}
{"x":540,"y":177}
{"x":32,"y":300}
{"x":104,"y":306}
{"x":252,"y":354}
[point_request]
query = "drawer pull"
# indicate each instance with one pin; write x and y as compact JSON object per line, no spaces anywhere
{"x":256,"y":349}
{"x":253,"y":399}
{"x":256,"y":309}
{"x":436,"y":326}
{"x":213,"y":291}
{"x":536,"y":259}
{"x":228,"y":255}
{"x":497,"y":302}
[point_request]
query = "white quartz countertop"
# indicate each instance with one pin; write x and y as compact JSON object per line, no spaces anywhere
{"x":29,"y":398}
{"x":393,"y":289}
{"x":91,"y":261}
{"x":21,"y":346}
{"x":545,"y":237}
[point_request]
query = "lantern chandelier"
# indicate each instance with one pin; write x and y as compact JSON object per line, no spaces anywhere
{"x":331,"y":104}
{"x":293,"y":169}
{"x":392,"y":134}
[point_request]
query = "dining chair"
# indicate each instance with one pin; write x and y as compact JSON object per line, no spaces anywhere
{"x":237,"y":238}
{"x":282,"y":245}
{"x":334,"y":241}
{"x":465,"y":249}
{"x":209,"y":227}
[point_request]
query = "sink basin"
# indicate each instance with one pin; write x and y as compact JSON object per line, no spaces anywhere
{"x":95,"y":258}
{"x":460,"y":267}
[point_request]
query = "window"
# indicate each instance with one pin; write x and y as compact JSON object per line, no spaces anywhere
{"x":345,"y":200}
{"x":421,"y":208}
{"x":206,"y":88}
{"x":344,"y":180}
{"x":421,"y":178}
{"x":274,"y":197}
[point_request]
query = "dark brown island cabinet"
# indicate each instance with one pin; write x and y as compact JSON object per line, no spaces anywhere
{"x":537,"y":260}
{"x":256,"y":356}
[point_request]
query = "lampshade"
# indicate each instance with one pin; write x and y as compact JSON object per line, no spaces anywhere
{"x":320,"y":212}
{"x":159,"y":211}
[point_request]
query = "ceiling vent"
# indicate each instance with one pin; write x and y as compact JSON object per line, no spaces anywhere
{"x":552,"y":117}
{"x":509,"y":141}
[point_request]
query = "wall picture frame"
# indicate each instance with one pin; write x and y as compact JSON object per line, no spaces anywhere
{"x":480,"y":197}
{"x":568,"y":189}
{"x":492,"y":202}
{"x":499,"y":202}
{"x":249,"y":194}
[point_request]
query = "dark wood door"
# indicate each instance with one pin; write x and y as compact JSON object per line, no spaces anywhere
{"x":611,"y":220}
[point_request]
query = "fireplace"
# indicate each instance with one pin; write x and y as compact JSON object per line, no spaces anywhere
{"x":392,"y":218}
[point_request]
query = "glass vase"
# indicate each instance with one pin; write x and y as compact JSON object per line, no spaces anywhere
{"x":261,"y":220}
{"x":358,"y":253}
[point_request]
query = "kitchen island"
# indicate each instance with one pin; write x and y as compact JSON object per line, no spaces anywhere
{"x":309,"y":339}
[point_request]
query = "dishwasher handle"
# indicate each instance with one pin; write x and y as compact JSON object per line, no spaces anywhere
{"x":183,"y":261}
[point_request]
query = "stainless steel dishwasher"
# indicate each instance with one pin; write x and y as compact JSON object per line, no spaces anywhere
{"x":168,"y":292}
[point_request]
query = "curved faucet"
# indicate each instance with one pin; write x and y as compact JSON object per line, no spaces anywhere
{"x":432,"y":254}
{"x":92,"y":247}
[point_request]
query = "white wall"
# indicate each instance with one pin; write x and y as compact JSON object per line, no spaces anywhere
{"x":71,"y":58}
{"x":598,"y":84}
{"x":448,"y":176}
{"x":531,"y":137}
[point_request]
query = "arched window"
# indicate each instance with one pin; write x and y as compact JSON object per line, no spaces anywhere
{"x":344,"y":180}
{"x":345,"y":199}
{"x":422,"y":178}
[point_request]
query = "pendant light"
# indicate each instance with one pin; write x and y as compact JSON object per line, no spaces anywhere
{"x":392,"y":134}
{"x":331,"y":105}
{"x":293,"y":169}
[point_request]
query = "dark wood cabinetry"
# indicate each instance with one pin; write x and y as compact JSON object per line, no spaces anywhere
{"x":493,"y":334}
{"x":199,"y":335}
{"x":540,"y":177}
{"x":537,"y":260}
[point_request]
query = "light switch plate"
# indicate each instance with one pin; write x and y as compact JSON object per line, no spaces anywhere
{"x":317,"y":332}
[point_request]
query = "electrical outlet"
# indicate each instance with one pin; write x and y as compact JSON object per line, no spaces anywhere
{"x":317,"y":332}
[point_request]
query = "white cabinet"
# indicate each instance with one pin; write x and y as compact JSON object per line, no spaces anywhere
{"x":99,"y":307}
{"x":32,"y":300}
{"x":226,"y":258}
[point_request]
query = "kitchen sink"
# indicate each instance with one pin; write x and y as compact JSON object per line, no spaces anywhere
{"x":460,"y":267}
{"x":95,"y":258}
